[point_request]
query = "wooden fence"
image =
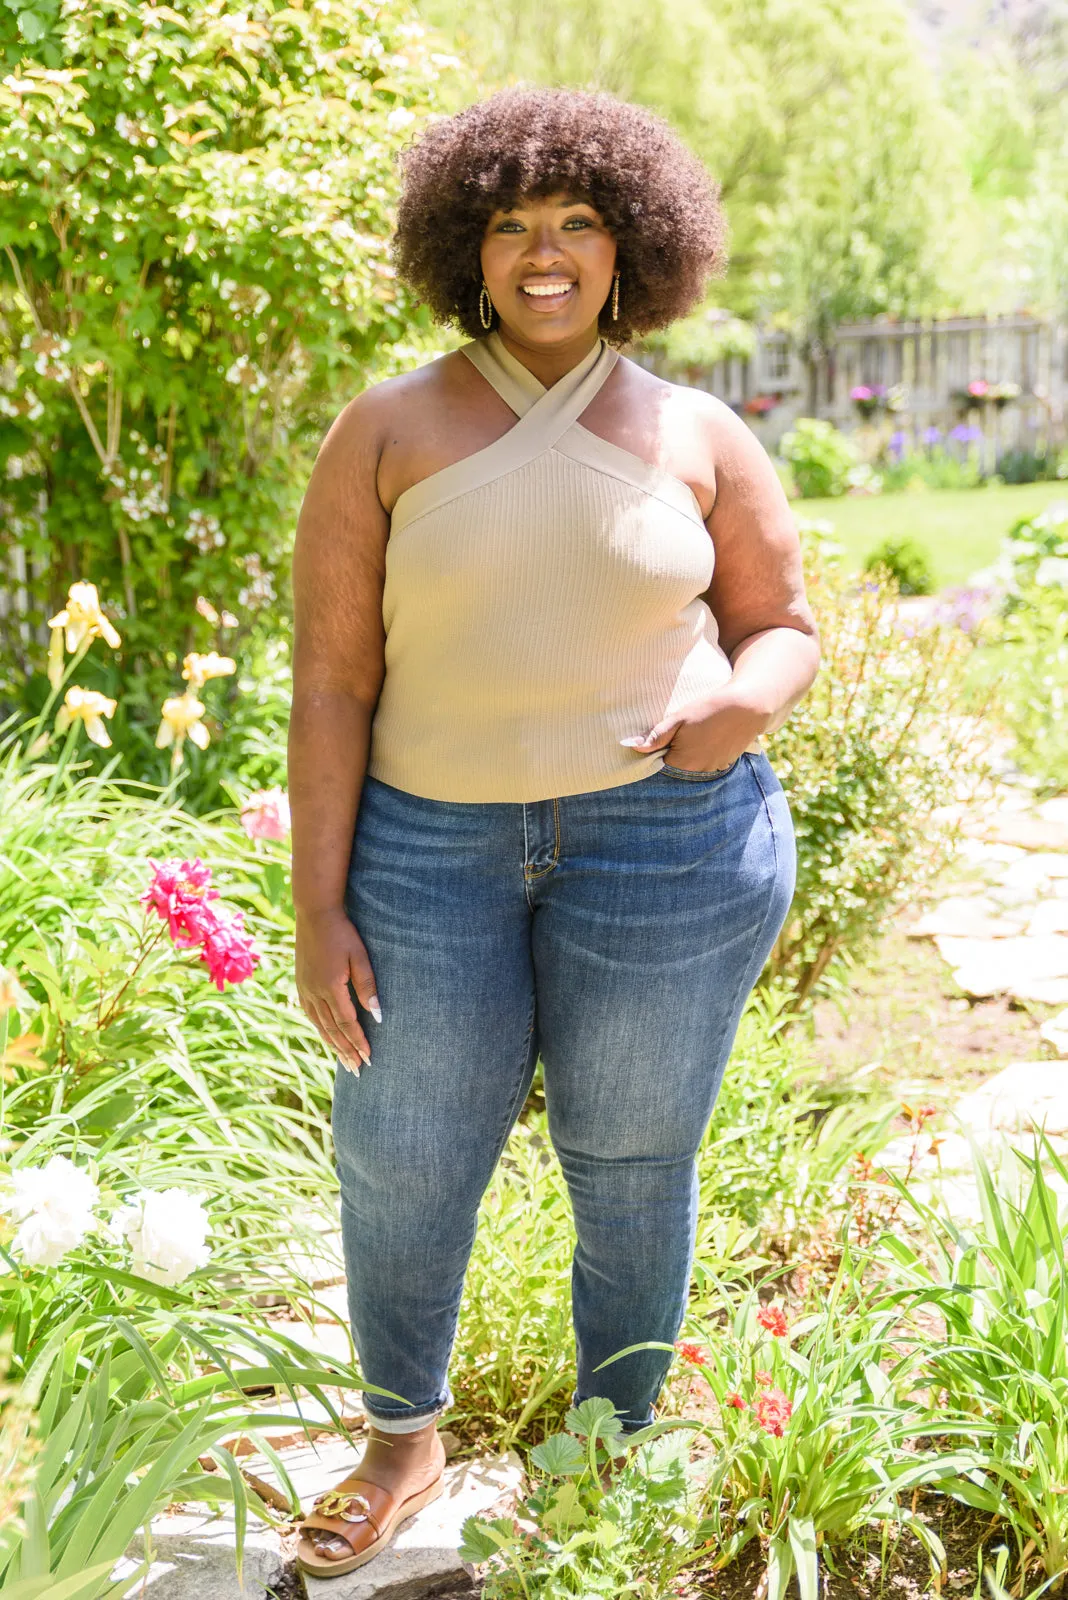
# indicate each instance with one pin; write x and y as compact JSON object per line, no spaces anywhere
{"x":931,"y":361}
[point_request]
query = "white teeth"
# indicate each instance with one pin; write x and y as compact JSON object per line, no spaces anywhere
{"x":546,"y":289}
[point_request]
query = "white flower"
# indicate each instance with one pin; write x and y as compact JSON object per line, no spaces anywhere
{"x":1052,"y":569}
{"x":54,"y":1205}
{"x":399,"y":117}
{"x":167,"y":1234}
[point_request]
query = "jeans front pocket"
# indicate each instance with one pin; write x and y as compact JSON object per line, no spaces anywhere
{"x":697,"y":777}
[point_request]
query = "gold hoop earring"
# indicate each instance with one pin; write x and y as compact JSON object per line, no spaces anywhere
{"x":485,"y":307}
{"x":615,"y":297}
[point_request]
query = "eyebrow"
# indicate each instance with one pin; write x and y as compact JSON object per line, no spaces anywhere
{"x":570,"y":200}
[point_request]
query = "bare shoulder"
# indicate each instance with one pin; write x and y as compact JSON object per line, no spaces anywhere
{"x":694,"y":409}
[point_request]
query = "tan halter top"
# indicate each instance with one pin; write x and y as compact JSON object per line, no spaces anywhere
{"x":541,"y":603}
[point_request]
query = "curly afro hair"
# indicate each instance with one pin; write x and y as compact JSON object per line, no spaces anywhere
{"x":655,"y":197}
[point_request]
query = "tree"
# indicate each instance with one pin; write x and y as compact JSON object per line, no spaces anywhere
{"x":821,"y":119}
{"x":195,"y":204}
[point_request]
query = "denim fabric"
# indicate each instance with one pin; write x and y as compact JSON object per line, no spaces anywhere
{"x":617,"y":935}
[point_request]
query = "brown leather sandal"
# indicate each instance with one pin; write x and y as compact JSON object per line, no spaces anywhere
{"x":365,"y":1515}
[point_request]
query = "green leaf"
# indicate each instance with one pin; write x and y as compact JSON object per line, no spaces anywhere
{"x":482,"y":1540}
{"x":31,"y":26}
{"x":560,"y":1455}
{"x":802,"y":1531}
{"x":593,"y":1419}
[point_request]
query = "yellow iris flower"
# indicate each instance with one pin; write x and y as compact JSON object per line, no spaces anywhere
{"x":181,"y":720}
{"x":80,"y":620}
{"x":198,"y":669}
{"x":90,"y":707}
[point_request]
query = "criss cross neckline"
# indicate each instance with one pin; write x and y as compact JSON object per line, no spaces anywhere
{"x":544,"y":416}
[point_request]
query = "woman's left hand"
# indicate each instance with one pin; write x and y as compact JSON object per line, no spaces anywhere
{"x":708,"y":735}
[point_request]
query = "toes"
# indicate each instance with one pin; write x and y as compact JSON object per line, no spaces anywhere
{"x":332,"y":1546}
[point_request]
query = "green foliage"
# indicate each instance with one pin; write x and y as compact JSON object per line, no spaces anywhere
{"x":577,"y":1535}
{"x":932,"y":468}
{"x":1023,"y":665}
{"x":868,"y":760}
{"x":816,"y":1432}
{"x":822,"y":122}
{"x":1032,"y":466}
{"x":905,"y":562}
{"x":819,"y":456}
{"x":196,"y":201}
{"x":695,"y":343}
{"x":1001,"y":1287}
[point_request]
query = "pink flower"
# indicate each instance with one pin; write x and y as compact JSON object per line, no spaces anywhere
{"x":773,"y":1318}
{"x":180,"y":891}
{"x":862,"y":392}
{"x":228,"y":949}
{"x":265,"y":814}
{"x":695,"y":1354}
{"x":978,"y":386}
{"x":773,"y":1411}
{"x":734,"y":1399}
{"x":763,"y":1378}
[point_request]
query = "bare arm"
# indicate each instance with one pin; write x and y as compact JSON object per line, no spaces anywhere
{"x":338,"y":667}
{"x":757,"y":596}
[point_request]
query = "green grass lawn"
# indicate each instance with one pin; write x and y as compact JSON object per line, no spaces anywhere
{"x":960,"y":529}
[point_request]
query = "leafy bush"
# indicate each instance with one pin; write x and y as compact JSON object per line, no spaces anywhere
{"x":820,"y":458}
{"x":1001,"y":1287}
{"x":869,"y":760}
{"x":816,"y":1430}
{"x":196,"y":209}
{"x":1032,"y":466}
{"x":906,"y":563}
{"x":932,"y":468}
{"x":1023,"y":665}
{"x":577,"y":1535}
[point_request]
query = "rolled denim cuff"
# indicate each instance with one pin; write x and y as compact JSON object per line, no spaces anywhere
{"x":408,"y":1419}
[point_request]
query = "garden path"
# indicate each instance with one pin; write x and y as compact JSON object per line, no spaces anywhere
{"x":1003,"y":931}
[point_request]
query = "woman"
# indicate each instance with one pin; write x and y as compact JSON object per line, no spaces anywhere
{"x":546,"y":605}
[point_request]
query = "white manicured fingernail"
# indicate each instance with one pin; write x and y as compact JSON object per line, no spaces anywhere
{"x":374,"y":1008}
{"x":632,"y":744}
{"x":364,"y":1057}
{"x":349,"y":1067}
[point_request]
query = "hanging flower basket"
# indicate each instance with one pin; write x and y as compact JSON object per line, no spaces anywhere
{"x":868,"y":398}
{"x":760,"y":404}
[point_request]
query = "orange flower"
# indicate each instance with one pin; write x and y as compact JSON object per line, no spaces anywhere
{"x":733,"y":1398}
{"x":773,"y":1318}
{"x":695,"y":1354}
{"x":773,"y":1411}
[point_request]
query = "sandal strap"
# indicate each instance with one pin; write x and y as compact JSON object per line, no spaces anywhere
{"x":349,"y":1507}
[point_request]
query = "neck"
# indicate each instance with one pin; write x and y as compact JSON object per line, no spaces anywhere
{"x":550,"y":362}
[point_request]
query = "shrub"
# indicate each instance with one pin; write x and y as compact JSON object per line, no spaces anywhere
{"x":1032,"y":466}
{"x":869,"y":760}
{"x":906,"y":563}
{"x":1023,"y":665}
{"x":819,"y":457}
{"x":195,"y":217}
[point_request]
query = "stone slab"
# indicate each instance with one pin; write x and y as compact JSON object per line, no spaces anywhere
{"x":424,"y":1554}
{"x":1055,"y":1032}
{"x":1025,"y":829}
{"x":193,"y":1558}
{"x":1017,"y":966}
{"x":1049,"y":916}
{"x":1026,"y":1095}
{"x":965,"y":916}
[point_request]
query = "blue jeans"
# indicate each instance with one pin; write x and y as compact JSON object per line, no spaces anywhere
{"x":617,"y":934}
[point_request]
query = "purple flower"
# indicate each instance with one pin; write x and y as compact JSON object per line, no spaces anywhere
{"x":931,"y":435}
{"x":898,"y":442}
{"x":963,"y":608}
{"x":964,"y":434}
{"x":879,"y":388}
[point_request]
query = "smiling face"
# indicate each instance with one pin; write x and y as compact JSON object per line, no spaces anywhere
{"x":548,"y":264}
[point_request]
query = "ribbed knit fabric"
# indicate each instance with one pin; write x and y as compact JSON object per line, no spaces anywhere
{"x":540,"y":604}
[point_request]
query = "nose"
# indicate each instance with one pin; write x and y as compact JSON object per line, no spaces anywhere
{"x":546,"y":248}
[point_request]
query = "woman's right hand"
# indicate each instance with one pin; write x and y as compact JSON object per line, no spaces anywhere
{"x":330,"y":952}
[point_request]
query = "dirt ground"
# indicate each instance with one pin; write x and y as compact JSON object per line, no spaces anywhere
{"x":907,"y":1023}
